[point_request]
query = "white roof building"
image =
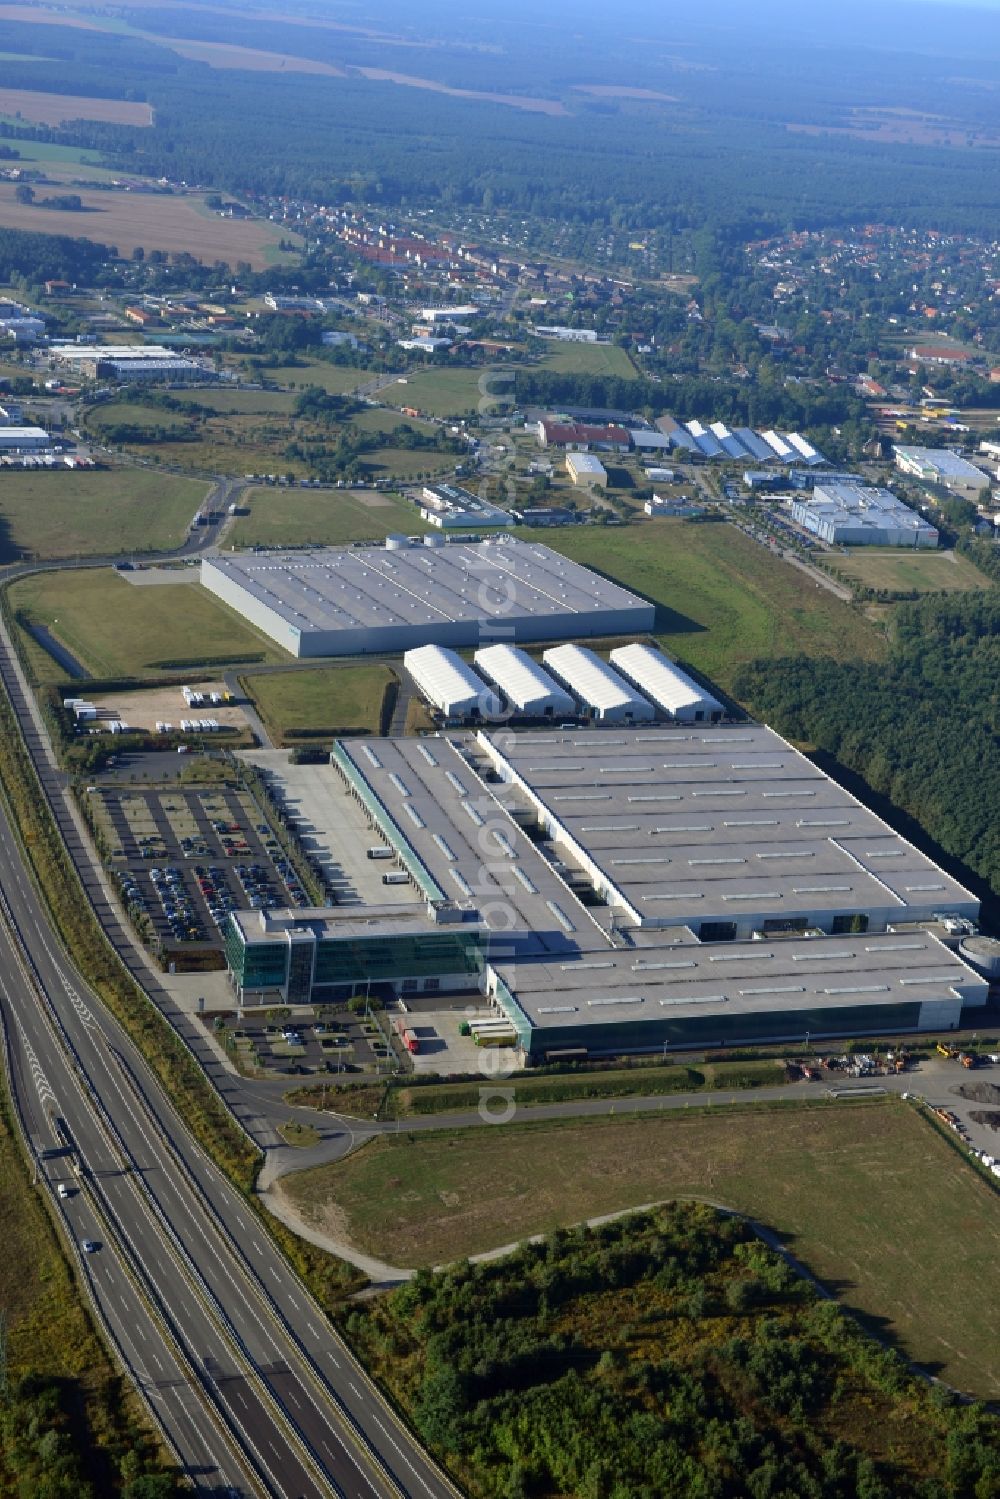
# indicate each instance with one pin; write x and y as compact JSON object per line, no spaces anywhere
{"x":527,"y":688}
{"x":24,"y":439}
{"x":606,"y":695}
{"x":669,"y":687}
{"x":445,"y":681}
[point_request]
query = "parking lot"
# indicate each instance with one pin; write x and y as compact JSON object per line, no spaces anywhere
{"x":325,"y":1039}
{"x":185,"y":858}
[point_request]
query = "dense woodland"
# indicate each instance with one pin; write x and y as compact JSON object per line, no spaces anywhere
{"x":921,"y":729}
{"x":666,"y":1356}
{"x":720,"y":153}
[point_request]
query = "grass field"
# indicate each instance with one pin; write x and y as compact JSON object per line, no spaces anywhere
{"x":335,"y":379}
{"x":320,"y":699}
{"x":902,"y":570}
{"x":117,"y":629}
{"x":588,"y":359}
{"x":243,"y":402}
{"x":47,"y":1329}
{"x":721,"y":599}
{"x":156,"y":221}
{"x":443,"y":392}
{"x":869,"y":1196}
{"x":235,"y":441}
{"x":66,"y":514}
{"x":295,"y":517}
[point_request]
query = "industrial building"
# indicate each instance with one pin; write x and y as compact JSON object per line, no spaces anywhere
{"x":24,"y":439}
{"x":449,"y":506}
{"x":443,"y":680}
{"x":661,"y":680}
{"x":625,"y":890}
{"x":527,"y":689}
{"x":302,"y":955}
{"x":859,"y":515}
{"x":942,"y":466}
{"x":584,"y":468}
{"x":135,"y":363}
{"x":580,"y":437}
{"x":605,"y":695}
{"x":717,"y":441}
{"x":365,"y":600}
{"x":727,"y":830}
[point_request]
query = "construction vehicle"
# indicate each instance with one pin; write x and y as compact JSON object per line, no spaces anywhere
{"x":969,"y":1059}
{"x":946,"y":1051}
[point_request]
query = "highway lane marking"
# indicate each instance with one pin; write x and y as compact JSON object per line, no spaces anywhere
{"x":274,"y":1272}
{"x":294,"y":1401}
{"x":354,"y":1387}
{"x":156,"y":1361}
{"x":392,"y":1441}
{"x":294,"y":1303}
{"x":257,"y":1247}
{"x":312,"y":1330}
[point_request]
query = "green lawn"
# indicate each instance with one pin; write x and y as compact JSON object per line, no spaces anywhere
{"x":443,"y":392}
{"x":101,"y":418}
{"x":118,"y":629}
{"x":243,"y":402}
{"x":869,"y":1196}
{"x":900,"y":569}
{"x":320,"y":699}
{"x":294,"y":517}
{"x":721,"y":598}
{"x":587,"y":359}
{"x":67,"y":514}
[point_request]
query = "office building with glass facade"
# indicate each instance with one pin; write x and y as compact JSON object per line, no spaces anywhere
{"x":320,"y":954}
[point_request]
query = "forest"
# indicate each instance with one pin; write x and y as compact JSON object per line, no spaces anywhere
{"x":722,"y":153}
{"x":758,"y":403}
{"x":668,"y":1355}
{"x":921,"y":730}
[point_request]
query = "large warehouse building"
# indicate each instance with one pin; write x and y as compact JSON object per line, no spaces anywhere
{"x":625,"y":890}
{"x":859,"y":515}
{"x":942,"y":466}
{"x":364,"y":600}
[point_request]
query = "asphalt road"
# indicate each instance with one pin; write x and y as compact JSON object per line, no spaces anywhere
{"x":194,"y":1274}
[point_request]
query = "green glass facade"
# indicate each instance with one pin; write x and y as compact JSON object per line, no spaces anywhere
{"x":713,"y":1030}
{"x":298,"y":963}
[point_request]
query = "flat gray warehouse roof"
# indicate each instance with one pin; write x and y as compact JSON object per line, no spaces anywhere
{"x":729,"y":823}
{"x":738,"y":978}
{"x":347,"y":601}
{"x":472,"y":849}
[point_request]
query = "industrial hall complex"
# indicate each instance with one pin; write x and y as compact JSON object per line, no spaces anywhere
{"x":365,"y":599}
{"x":602,"y":890}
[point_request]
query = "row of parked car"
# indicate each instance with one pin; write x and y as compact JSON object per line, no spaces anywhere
{"x":178,"y":908}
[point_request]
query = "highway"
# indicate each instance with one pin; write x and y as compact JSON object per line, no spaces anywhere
{"x":187,"y":1276}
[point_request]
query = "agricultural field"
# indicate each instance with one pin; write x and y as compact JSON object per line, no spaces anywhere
{"x":331,"y":517}
{"x":120,"y":629}
{"x":55,"y":109}
{"x":587,"y":359}
{"x":155,"y":221}
{"x":444,"y":392}
{"x":320,"y":700}
{"x":721,"y":599}
{"x":78,"y":514}
{"x":903,"y":570}
{"x":869,"y":1196}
